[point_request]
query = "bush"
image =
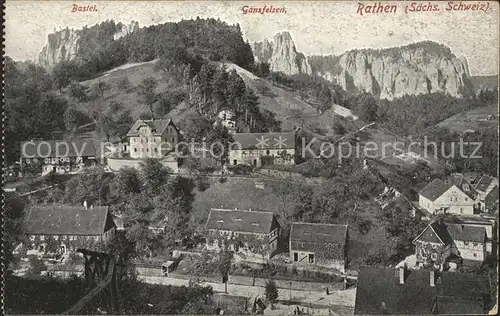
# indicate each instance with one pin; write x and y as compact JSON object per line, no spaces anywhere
{"x":339,"y":128}
{"x":241,"y":169}
{"x":36,"y":266}
{"x":271,"y":291}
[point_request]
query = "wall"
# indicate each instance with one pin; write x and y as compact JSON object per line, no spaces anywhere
{"x":470,"y":250}
{"x":422,"y":254}
{"x":425,"y":203}
{"x":117,"y":164}
{"x":303,"y":260}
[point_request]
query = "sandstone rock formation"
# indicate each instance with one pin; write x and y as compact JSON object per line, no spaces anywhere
{"x":419,"y":68}
{"x":126,"y":29}
{"x":281,"y":54}
{"x":63,"y":45}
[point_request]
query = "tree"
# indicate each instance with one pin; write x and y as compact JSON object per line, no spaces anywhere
{"x":225,"y":258}
{"x":78,"y":91}
{"x":366,"y":107}
{"x":62,"y":74}
{"x":124,"y":85}
{"x":13,"y":228}
{"x":147,"y":92}
{"x":116,"y":121}
{"x":154,"y":175}
{"x":271,"y":291}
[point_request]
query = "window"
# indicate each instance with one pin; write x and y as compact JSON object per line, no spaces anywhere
{"x":295,"y":257}
{"x":32,"y":237}
{"x":456,"y":199}
{"x":63,"y":237}
{"x":135,"y":149}
{"x":475,"y":244}
{"x":42,"y":237}
{"x":311,"y":258}
{"x":451,"y":199}
{"x":461,"y":210}
{"x":235,"y":162}
{"x":474,"y":254}
{"x":466,"y":243}
{"x":267,"y":152}
{"x":156,"y":150}
{"x":466,"y":199}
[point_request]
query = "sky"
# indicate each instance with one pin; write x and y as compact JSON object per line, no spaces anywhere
{"x":317,"y":27}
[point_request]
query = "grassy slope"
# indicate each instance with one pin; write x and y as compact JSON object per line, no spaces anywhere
{"x":135,"y":74}
{"x":471,"y":120}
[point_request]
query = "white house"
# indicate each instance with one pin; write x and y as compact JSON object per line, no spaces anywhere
{"x":455,"y":195}
{"x":258,"y":149}
{"x":152,"y":138}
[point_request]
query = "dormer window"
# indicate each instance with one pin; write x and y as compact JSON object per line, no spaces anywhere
{"x":220,"y":221}
{"x":238,"y":219}
{"x":255,"y":224}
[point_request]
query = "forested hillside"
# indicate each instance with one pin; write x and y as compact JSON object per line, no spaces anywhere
{"x":189,"y":41}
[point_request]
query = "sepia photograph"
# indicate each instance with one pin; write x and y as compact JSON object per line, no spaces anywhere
{"x":250,"y":157}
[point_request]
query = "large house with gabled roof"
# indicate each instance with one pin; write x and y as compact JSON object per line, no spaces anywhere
{"x":453,"y":195}
{"x":152,"y":138}
{"x":249,"y":234}
{"x":319,"y":245}
{"x":59,"y":229}
{"x":258,"y":149}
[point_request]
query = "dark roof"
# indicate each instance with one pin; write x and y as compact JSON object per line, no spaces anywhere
{"x":491,"y":200}
{"x":379,"y":292}
{"x":448,"y":232}
{"x":442,"y":232}
{"x":240,"y":221}
{"x":318,"y":233}
{"x":484,"y":183}
{"x":157,"y":126}
{"x":284,"y":140}
{"x":462,"y":286}
{"x":461,"y":182}
{"x":57,"y":148}
{"x":466,"y":232}
{"x":435,"y":232}
{"x":434,"y":189}
{"x":66,"y":220}
{"x":438,"y":187}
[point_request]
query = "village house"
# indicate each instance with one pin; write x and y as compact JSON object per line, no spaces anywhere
{"x":60,"y":229}
{"x":152,"y":138}
{"x":385,"y":290}
{"x":59,"y":156}
{"x":454,"y":195}
{"x":441,"y":241}
{"x":261,"y":149}
{"x":486,"y":189}
{"x":252,"y":235}
{"x":318,"y":245}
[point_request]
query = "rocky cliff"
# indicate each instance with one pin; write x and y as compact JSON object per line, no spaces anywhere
{"x":281,"y":54}
{"x":63,"y":45}
{"x":420,"y":68}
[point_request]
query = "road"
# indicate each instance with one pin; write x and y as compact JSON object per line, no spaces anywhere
{"x":337,"y":298}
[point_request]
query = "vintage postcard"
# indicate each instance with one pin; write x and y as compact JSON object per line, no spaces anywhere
{"x":250,"y":157}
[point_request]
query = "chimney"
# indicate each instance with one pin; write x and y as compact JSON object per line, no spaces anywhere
{"x":402,"y":272}
{"x":85,"y":204}
{"x":433,"y":278}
